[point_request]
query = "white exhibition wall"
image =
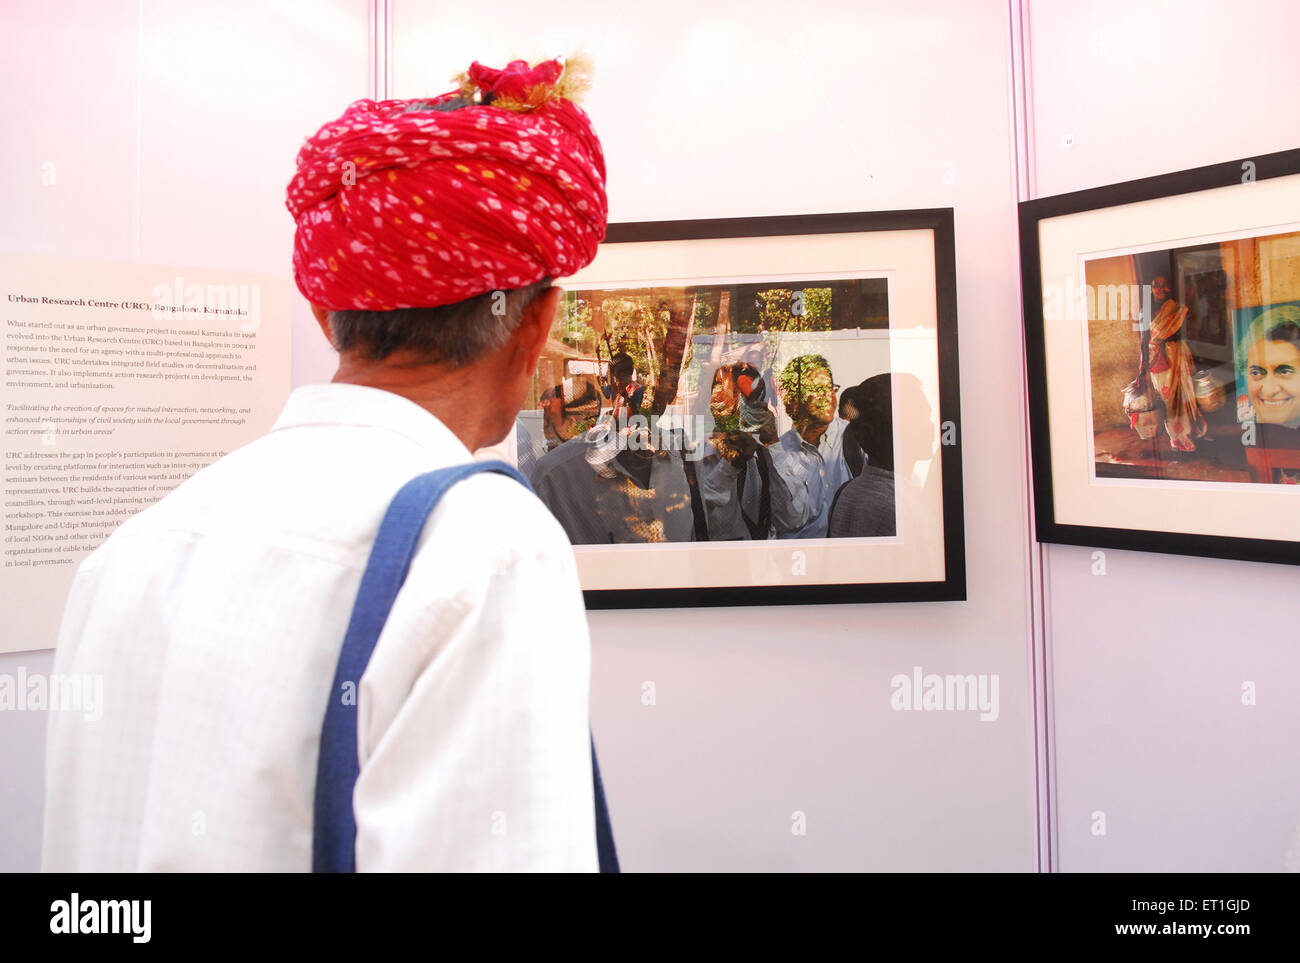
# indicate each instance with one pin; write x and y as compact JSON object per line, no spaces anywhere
{"x":173,"y":126}
{"x":1149,"y":660}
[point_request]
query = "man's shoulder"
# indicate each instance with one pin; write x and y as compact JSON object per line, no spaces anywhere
{"x":490,"y":531}
{"x":495,"y":517}
{"x":790,"y":441}
{"x":873,"y":484}
{"x":562,"y":457}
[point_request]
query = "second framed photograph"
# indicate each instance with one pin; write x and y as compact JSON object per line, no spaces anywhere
{"x":756,"y":411}
{"x":1162,"y":321}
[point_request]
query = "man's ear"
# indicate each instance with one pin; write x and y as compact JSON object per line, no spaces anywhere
{"x":535,"y":327}
{"x":322,"y":316}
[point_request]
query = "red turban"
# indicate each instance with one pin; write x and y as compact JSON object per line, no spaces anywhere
{"x":403,"y":204}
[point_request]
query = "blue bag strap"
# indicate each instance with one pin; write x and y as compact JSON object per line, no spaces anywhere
{"x":334,"y":828}
{"x":606,"y":855}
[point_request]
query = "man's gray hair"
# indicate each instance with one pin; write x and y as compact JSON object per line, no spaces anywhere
{"x":456,"y":334}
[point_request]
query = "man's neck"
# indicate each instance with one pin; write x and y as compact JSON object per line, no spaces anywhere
{"x":812,"y":431}
{"x":455,"y":396}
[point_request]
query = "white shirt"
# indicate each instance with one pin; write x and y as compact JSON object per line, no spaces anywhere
{"x":216,"y":616}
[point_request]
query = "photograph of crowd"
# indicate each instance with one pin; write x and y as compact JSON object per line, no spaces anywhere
{"x":716,"y":413}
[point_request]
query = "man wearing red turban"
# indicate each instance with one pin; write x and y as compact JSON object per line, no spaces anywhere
{"x":427,"y":235}
{"x":407,"y":204}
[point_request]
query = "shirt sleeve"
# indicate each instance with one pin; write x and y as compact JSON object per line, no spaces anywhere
{"x":476,"y":755}
{"x":717,"y":480}
{"x":796,"y":507}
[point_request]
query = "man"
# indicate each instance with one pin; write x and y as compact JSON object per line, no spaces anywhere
{"x":625,"y":393}
{"x":810,"y":455}
{"x":569,"y":409}
{"x":1272,"y":369}
{"x":864,"y":506}
{"x":427,"y":233}
{"x":744,"y":495}
{"x":610,"y":486}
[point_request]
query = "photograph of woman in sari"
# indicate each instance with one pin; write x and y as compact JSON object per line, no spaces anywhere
{"x":1167,"y":362}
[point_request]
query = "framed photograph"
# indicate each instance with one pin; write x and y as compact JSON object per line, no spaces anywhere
{"x":756,"y":411}
{"x":1162,"y":327}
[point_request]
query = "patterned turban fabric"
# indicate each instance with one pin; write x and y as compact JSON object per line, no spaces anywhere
{"x":417,"y":203}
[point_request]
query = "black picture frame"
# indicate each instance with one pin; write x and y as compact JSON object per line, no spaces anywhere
{"x":1239,"y":174}
{"x":938,"y":221}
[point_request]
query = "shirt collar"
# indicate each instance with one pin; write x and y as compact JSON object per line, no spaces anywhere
{"x":831,"y":436}
{"x":365,"y":407}
{"x":828,"y":441}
